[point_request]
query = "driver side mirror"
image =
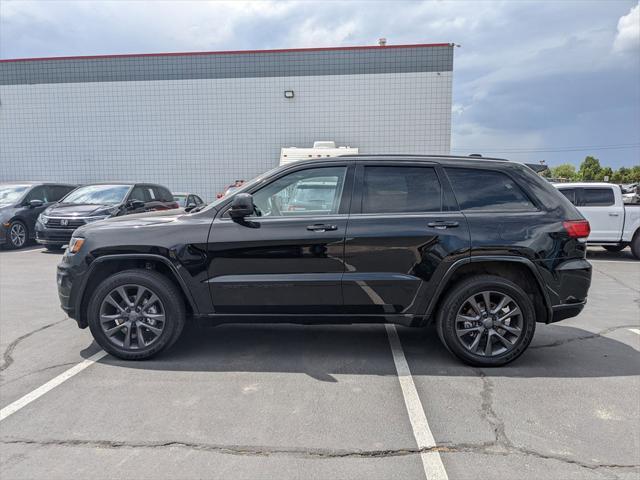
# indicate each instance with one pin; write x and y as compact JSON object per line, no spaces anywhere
{"x":35,"y":203}
{"x":242,"y":206}
{"x":190,"y":206}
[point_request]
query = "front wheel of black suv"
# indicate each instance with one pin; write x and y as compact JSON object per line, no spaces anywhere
{"x":135,"y":314}
{"x":486,"y":321}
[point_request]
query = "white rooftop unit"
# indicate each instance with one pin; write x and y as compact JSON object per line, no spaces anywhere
{"x":320,"y":149}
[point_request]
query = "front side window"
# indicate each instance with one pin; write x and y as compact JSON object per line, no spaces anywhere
{"x":38,"y":193}
{"x":56,"y":192}
{"x":316,"y":191}
{"x":487,"y":190}
{"x":597,"y":197}
{"x":401,"y":190}
{"x":98,"y":195}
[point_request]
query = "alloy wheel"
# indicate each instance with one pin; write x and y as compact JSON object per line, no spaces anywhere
{"x":18,"y":235}
{"x":132,"y":317}
{"x":489,"y":323}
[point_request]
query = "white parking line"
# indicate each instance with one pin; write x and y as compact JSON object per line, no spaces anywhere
{"x":635,"y":330}
{"x":25,"y":251}
{"x":50,"y":385}
{"x":431,"y":461}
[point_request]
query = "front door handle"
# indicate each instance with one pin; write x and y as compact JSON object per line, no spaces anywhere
{"x":321,"y":227}
{"x":614,"y":214}
{"x":442,"y":224}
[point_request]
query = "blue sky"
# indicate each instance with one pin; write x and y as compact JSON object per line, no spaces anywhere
{"x":552,"y":80}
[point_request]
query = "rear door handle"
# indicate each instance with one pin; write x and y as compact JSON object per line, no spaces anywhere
{"x":321,"y":227}
{"x":441,"y":224}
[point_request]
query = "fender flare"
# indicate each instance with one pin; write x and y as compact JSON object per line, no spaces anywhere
{"x":490,"y":258}
{"x":133,"y":256}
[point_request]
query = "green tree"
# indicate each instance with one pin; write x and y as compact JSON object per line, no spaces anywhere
{"x":620,"y":175}
{"x":565,"y":171}
{"x":589,"y":169}
{"x":605,"y":172}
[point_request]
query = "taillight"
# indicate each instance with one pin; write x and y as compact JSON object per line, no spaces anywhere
{"x":577,"y":228}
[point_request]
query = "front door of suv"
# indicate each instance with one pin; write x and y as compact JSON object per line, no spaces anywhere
{"x":288,"y":258}
{"x":404,"y":228}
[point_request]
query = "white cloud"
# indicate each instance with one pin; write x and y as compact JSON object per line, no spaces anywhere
{"x":628,"y":37}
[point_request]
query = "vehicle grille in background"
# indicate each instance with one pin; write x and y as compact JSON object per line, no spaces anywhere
{"x":73,"y":223}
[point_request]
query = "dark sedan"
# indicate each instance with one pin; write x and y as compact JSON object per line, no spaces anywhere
{"x":20,"y":205}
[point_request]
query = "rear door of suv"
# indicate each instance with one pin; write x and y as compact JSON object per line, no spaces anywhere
{"x":404,"y":231}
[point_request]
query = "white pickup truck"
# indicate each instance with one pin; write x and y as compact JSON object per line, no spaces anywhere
{"x":614,"y":225}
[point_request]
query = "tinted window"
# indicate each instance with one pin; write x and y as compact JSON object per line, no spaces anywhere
{"x":162,"y":194}
{"x":38,"y":193}
{"x":316,"y":191}
{"x":597,"y":197}
{"x":570,"y":193}
{"x":401,"y":189}
{"x":487,"y":190}
{"x":141,"y":193}
{"x":198,"y":200}
{"x":56,"y":192}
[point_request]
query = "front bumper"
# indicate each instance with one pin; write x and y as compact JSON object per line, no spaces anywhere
{"x":3,"y":234}
{"x":52,"y":236}
{"x":70,"y":279}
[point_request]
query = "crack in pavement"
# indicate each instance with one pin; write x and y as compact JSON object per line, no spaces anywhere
{"x":7,"y":359}
{"x":491,"y":448}
{"x":40,"y":370}
{"x":585,"y":337}
{"x":502,"y":445}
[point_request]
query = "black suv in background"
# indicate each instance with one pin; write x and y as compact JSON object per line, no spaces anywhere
{"x":482,"y":248}
{"x":91,"y":203}
{"x":20,"y":205}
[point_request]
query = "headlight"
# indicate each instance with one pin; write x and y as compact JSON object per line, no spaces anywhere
{"x":43,"y":219}
{"x":75,"y":244}
{"x":95,"y":219}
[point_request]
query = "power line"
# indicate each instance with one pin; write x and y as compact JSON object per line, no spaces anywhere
{"x":621,"y":146}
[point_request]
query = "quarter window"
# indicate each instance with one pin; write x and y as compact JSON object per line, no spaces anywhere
{"x":487,"y":190}
{"x":597,"y":197}
{"x":401,"y":190}
{"x":310,"y":192}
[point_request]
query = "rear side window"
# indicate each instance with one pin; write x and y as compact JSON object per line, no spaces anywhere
{"x":487,"y":190}
{"x":163,"y":194}
{"x":570,"y":193}
{"x":401,"y":190}
{"x":597,"y":197}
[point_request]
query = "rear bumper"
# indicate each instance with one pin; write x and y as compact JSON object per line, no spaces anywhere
{"x":567,"y":310}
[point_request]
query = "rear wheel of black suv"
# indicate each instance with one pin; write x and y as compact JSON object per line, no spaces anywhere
{"x":135,"y":314}
{"x":486,"y":321}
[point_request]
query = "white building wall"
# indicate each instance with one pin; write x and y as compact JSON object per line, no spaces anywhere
{"x":199,"y":135}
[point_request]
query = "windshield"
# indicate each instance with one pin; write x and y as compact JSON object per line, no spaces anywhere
{"x":12,"y":193}
{"x":98,"y":195}
{"x":181,"y":199}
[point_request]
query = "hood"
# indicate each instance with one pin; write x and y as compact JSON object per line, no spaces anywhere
{"x":137,"y":220}
{"x":77,"y":210}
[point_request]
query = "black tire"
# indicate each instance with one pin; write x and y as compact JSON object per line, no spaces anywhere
{"x":169,"y":296}
{"x":53,"y":248}
{"x":19,"y":226}
{"x":456,"y":299}
{"x":635,"y":245}
{"x":614,"y":248}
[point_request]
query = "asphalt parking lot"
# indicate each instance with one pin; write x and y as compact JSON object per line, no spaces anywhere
{"x":285,"y":401}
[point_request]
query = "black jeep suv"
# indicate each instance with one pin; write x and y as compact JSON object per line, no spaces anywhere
{"x":482,"y":248}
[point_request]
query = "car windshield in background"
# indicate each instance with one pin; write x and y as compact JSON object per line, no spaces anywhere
{"x":98,"y":195}
{"x":11,"y":193}
{"x":181,"y":199}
